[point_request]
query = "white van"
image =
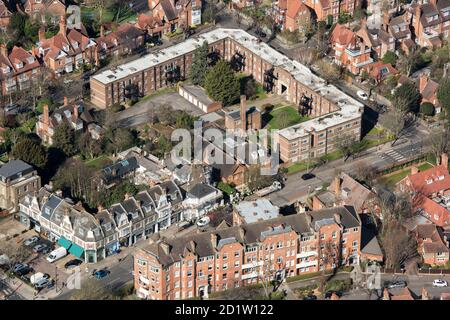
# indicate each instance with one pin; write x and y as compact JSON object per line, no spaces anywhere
{"x":57,"y":254}
{"x":35,"y":278}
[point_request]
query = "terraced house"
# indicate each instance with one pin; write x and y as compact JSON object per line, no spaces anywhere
{"x":18,"y":69}
{"x":431,"y":22}
{"x":92,"y":237}
{"x":67,"y":50}
{"x":278,"y":74}
{"x":229,"y":257}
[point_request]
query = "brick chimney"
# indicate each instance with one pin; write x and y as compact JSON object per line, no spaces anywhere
{"x":100,"y":208}
{"x":62,"y":25}
{"x":102,"y":30}
{"x":75,"y":111}
{"x":337,"y":218}
{"x":46,"y":114}
{"x":444,"y":160}
{"x":386,"y":295}
{"x":243,"y":112}
{"x":336,"y":185}
{"x":3,"y":50}
{"x":127,"y":196}
{"x":42,"y":34}
{"x":214,"y":240}
{"x":65,"y":101}
{"x":414,"y":170}
{"x":165,"y":247}
{"x":334,"y":296}
{"x":425,"y":294}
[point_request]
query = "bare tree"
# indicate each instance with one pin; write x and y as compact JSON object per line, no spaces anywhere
{"x":305,"y":56}
{"x":329,"y":256}
{"x":92,"y":289}
{"x":15,"y":254}
{"x":396,"y":123}
{"x":330,"y":72}
{"x":398,"y":245}
{"x":439,"y":142}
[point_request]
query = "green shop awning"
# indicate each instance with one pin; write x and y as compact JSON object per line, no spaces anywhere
{"x":76,"y":250}
{"x":63,"y":242}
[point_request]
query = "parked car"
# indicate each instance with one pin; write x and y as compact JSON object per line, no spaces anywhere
{"x":203,"y":221}
{"x":100,"y":274}
{"x":73,"y":263}
{"x":31,"y":241}
{"x":41,"y":284}
{"x":310,"y":297}
{"x":35,"y":278}
{"x":260,"y":33}
{"x":39,"y":248}
{"x":439,"y":283}
{"x":362,"y":95}
{"x":11,"y":107}
{"x":18,"y":266}
{"x":25,"y":269}
{"x":308,"y":176}
{"x":329,"y":293}
{"x":396,"y":284}
{"x":57,"y":254}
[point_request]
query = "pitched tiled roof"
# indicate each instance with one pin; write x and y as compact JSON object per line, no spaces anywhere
{"x":431,"y":180}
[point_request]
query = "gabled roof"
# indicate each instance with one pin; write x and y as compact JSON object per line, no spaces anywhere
{"x":342,"y":35}
{"x":430,"y":181}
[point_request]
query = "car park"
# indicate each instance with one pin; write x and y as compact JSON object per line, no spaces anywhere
{"x":362,"y":95}
{"x":308,"y":176}
{"x":73,"y":263}
{"x":43,"y":283}
{"x":31,"y":241}
{"x":100,"y":274}
{"x":440,"y":283}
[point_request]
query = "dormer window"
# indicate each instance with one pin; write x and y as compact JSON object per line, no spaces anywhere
{"x":441,"y":178}
{"x":429,"y":181}
{"x":30,"y":59}
{"x":75,"y":44}
{"x":66,"y":48}
{"x":19,"y":65}
{"x":6,"y":69}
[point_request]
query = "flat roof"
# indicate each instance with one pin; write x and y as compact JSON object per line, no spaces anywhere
{"x":198,"y":92}
{"x":349,"y":107}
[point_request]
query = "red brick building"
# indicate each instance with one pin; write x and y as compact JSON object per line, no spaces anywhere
{"x":330,"y":10}
{"x":230,"y":257}
{"x":124,"y":40}
{"x":17,"y":69}
{"x":431,"y":247}
{"x":40,"y":9}
{"x":177,"y":14}
{"x":5,"y":14}
{"x":431,"y":192}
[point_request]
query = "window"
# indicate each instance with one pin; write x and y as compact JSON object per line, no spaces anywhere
{"x":279,"y":260}
{"x":225,"y":256}
{"x":225,"y":266}
{"x":190,"y":284}
{"x":279,"y":245}
{"x":236,"y":264}
{"x":322,"y":236}
{"x":334,"y":234}
{"x":224,"y":276}
{"x":236,"y":254}
{"x":354,"y":244}
{"x":141,"y":262}
{"x":189,"y":273}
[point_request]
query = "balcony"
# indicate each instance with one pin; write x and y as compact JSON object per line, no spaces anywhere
{"x":430,"y":34}
{"x":144,"y":292}
{"x":363,"y":63}
{"x":252,"y":265}
{"x":307,"y":264}
{"x":144,"y":280}
{"x":306,"y":254}
{"x":356,"y":52}
{"x":249,"y":275}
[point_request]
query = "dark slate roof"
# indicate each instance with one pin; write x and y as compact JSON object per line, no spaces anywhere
{"x":13,"y":168}
{"x":168,"y":9}
{"x":200,"y":190}
{"x":201,"y":244}
{"x":120,"y":168}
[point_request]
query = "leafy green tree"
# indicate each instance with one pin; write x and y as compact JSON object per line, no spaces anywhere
{"x":221,"y":84}
{"x":30,"y":151}
{"x":409,"y":96}
{"x":89,"y":147}
{"x":64,"y":139}
{"x":185,"y":120}
{"x":45,"y":101}
{"x":390,"y":57}
{"x":118,"y":192}
{"x":443,"y":94}
{"x":427,"y":109}
{"x":199,"y":67}
{"x":120,"y":139}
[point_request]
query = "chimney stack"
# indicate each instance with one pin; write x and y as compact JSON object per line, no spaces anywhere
{"x":42,"y":34}
{"x":337,"y":218}
{"x":425,"y":294}
{"x":65,"y":101}
{"x":46,"y":114}
{"x":386,"y":295}
{"x":214,"y":240}
{"x":243,"y":112}
{"x":100,"y":208}
{"x":336,"y":185}
{"x":102,"y":30}
{"x":444,"y":160}
{"x":75,"y":111}
{"x":3,"y":50}
{"x":165,"y":247}
{"x":414,"y":170}
{"x":62,"y":25}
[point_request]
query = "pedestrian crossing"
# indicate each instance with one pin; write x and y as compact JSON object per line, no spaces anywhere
{"x":393,"y":155}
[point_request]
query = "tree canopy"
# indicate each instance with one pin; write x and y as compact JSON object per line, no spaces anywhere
{"x":443,"y":94}
{"x":407,"y":97}
{"x":221,"y":83}
{"x":64,"y":139}
{"x":199,"y":67}
{"x":390,"y":57}
{"x":30,"y":151}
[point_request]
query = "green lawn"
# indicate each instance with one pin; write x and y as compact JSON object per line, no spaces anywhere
{"x":283,"y":117}
{"x":98,"y":162}
{"x":108,"y":15}
{"x":393,"y":179}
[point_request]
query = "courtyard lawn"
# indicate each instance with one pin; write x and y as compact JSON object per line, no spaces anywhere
{"x":275,"y":120}
{"x":99,"y":162}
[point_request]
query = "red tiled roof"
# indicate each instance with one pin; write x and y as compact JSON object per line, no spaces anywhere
{"x":294,"y":7}
{"x":342,"y":35}
{"x":430,"y":181}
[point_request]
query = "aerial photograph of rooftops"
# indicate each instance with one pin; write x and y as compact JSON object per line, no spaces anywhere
{"x":231,"y":150}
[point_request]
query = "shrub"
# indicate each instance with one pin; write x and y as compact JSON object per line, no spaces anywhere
{"x":427,"y":109}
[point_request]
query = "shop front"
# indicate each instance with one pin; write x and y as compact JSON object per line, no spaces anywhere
{"x":112,"y":248}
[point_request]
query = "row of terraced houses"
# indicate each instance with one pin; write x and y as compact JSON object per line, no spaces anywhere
{"x":234,"y":256}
